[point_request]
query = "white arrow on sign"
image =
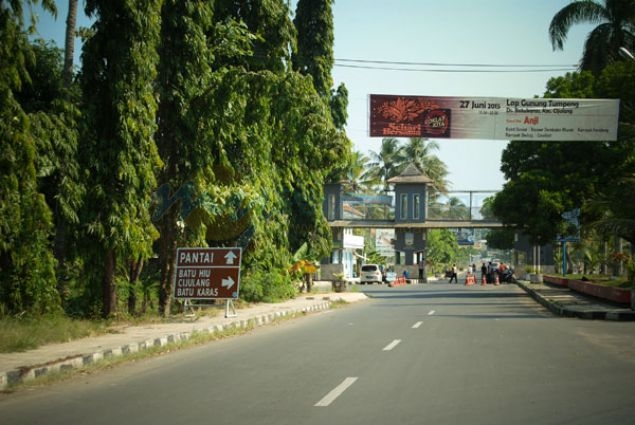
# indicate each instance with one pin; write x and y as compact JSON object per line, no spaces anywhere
{"x":230,"y":257}
{"x":227,"y":283}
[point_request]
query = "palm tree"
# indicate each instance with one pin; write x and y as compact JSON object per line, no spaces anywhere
{"x":457,"y":209}
{"x":358,"y":178}
{"x":486,"y":208}
{"x":615,"y":19}
{"x":419,"y":152}
{"x":385,"y":164}
{"x":69,"y":42}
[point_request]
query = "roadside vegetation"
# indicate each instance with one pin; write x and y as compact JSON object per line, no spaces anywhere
{"x":202,"y":124}
{"x":26,"y":333}
{"x":219,"y":126}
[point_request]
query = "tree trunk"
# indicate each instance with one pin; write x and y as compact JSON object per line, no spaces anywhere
{"x":109,"y":289}
{"x":59,"y":248}
{"x":134,"y":273}
{"x":69,"y":42}
{"x":308,"y":278}
{"x":167,"y":255}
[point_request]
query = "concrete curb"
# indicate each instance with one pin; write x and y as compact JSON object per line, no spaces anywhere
{"x":588,"y":311}
{"x":27,"y":373}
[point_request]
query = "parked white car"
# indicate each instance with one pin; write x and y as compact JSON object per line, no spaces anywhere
{"x":370,"y":273}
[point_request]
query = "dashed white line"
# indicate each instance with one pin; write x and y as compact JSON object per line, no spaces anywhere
{"x":416,"y":325}
{"x":431,"y":312}
{"x":392,"y":345}
{"x":336,"y":392}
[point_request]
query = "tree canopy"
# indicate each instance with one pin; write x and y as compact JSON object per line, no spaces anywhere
{"x":546,"y":179}
{"x":195,"y":129}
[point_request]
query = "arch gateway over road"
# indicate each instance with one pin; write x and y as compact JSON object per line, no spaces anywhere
{"x":411,"y":211}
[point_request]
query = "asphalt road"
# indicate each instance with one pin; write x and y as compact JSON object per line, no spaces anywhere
{"x":422,"y":354}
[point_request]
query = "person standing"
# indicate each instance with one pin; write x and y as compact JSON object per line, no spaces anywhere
{"x":421,"y":267}
{"x":484,"y":272}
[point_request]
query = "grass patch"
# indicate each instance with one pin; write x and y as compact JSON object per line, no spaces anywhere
{"x":19,"y":334}
{"x":196,"y":339}
{"x":26,"y":333}
{"x":338,"y":303}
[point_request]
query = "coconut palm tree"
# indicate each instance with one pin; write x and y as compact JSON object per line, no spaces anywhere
{"x":419,"y":152}
{"x":69,"y":42}
{"x":615,"y":29}
{"x":385,"y":163}
{"x":358,"y":177}
{"x":486,"y":208}
{"x":457,"y":210}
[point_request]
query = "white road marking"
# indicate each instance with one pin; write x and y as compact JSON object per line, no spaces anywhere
{"x":392,"y":345}
{"x":336,"y":392}
{"x":416,"y":325}
{"x":431,"y":312}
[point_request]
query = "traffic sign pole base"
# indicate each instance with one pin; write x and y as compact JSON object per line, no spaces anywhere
{"x":188,"y":308}
{"x":229,"y":304}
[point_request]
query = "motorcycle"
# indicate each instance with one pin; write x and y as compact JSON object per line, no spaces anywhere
{"x":507,"y":276}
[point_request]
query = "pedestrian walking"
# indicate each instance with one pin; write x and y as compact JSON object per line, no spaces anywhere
{"x":454,"y":275}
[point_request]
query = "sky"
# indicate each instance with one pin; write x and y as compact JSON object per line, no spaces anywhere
{"x":451,"y":32}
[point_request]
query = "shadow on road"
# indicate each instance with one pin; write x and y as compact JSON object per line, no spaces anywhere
{"x":503,"y":302}
{"x":440,"y":293}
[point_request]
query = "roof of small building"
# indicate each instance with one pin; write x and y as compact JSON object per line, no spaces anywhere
{"x":411,"y":174}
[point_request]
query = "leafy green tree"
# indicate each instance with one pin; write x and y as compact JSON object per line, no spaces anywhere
{"x":271,"y":143}
{"x":320,"y":148}
{"x":314,"y":55}
{"x":339,"y":106}
{"x":614,"y":204}
{"x":184,"y":73}
{"x":272,"y":32}
{"x":44,"y":86}
{"x":547,"y":179}
{"x":314,"y":25}
{"x":501,"y":238}
{"x":615,"y":19}
{"x":53,"y":116}
{"x":533,"y":201}
{"x":441,"y":248}
{"x":27,"y":279}
{"x":118,"y":77}
{"x":577,"y":85}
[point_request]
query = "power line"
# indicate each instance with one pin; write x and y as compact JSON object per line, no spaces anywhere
{"x":442,"y":70}
{"x":450,"y":67}
{"x":474,"y":65}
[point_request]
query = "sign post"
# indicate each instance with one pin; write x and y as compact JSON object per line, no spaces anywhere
{"x":208,"y":274}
